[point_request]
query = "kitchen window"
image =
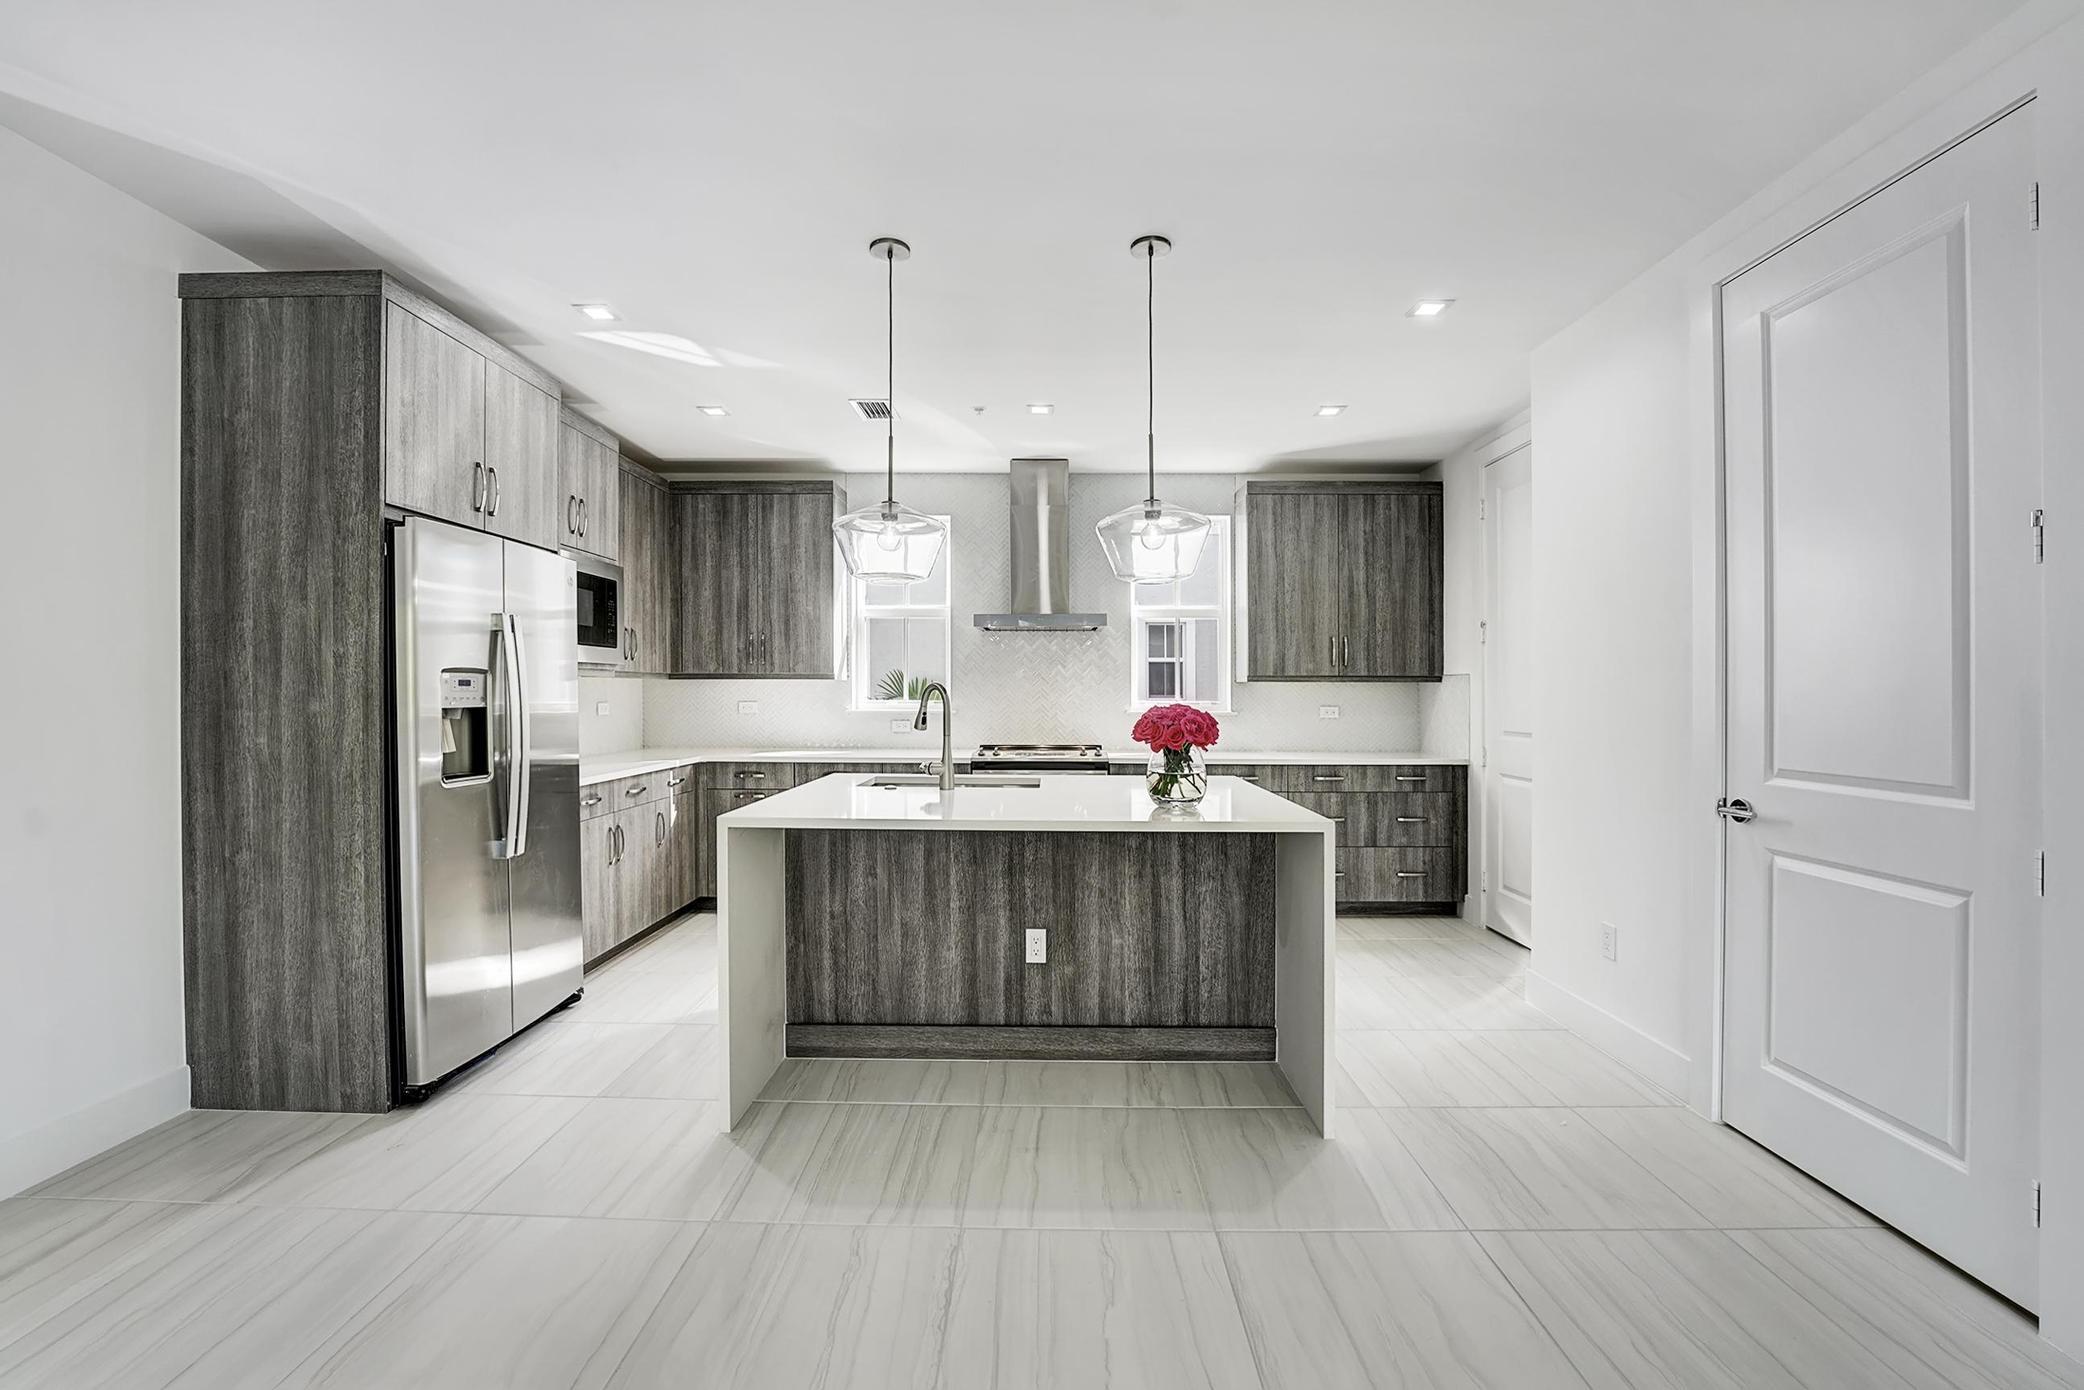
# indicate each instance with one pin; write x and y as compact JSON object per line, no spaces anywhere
{"x":1181,"y":633}
{"x":902,"y":637}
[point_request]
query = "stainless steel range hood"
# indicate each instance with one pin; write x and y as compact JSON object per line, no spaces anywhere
{"x":1041,"y":554}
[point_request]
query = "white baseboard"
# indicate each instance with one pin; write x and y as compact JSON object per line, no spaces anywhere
{"x":1619,"y":1039}
{"x":48,"y":1150}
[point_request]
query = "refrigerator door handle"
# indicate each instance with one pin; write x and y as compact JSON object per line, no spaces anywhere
{"x":508,"y":845}
{"x":522,"y":790}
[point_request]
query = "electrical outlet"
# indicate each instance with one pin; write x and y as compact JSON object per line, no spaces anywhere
{"x":1038,"y":945}
{"x":748,"y":707}
{"x":1327,"y":711}
{"x":900,"y":726}
{"x":600,"y":707}
{"x":1609,"y":941}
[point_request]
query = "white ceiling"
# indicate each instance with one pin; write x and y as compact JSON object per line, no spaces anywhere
{"x":716,"y":170}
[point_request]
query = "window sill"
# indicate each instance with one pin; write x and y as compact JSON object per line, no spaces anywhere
{"x":1205,"y":709}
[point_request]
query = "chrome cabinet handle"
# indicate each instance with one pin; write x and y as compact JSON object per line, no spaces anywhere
{"x":1338,"y":820}
{"x":492,"y":492}
{"x":477,"y":487}
{"x":593,"y":800}
{"x":1333,"y":643}
{"x":1409,"y":873}
{"x":582,"y":517}
{"x":1410,"y":777}
{"x":571,"y":514}
{"x":638,"y":790}
{"x":1327,"y":777}
{"x":658,"y":833}
{"x":614,"y":844}
{"x":635,"y":644}
{"x":1411,"y":820}
{"x":743,"y":796}
{"x":750,"y":775}
{"x":675,"y":781}
{"x":1247,"y":779}
{"x":1345,"y":653}
{"x":1338,"y":873}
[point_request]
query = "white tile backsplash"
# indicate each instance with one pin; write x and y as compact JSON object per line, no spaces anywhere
{"x":1044,"y":687}
{"x":622,"y":727}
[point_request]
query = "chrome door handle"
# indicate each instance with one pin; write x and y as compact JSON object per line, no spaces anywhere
{"x":1736,"y":809}
{"x":491,"y":492}
{"x":477,"y":487}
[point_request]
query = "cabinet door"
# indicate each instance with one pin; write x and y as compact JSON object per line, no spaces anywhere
{"x":684,"y":857}
{"x":600,"y":905}
{"x":575,"y":468}
{"x":787,"y":552}
{"x":638,"y":870}
{"x":1390,"y":609}
{"x":1294,"y":560}
{"x":521,"y":460}
{"x":656,"y":655}
{"x":434,"y":421}
{"x":711,"y":636}
{"x":600,"y":519}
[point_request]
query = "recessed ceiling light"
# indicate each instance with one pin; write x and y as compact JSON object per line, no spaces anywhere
{"x":599,"y":313}
{"x":1430,"y":308}
{"x":1038,"y":408}
{"x":712,"y":410}
{"x":1329,"y":409}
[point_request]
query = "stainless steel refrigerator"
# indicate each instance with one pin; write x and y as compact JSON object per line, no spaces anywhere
{"x":487,"y":734}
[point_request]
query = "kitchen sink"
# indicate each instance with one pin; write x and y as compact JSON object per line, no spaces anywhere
{"x":962,"y":779}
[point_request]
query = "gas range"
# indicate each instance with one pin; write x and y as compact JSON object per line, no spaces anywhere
{"x":1041,"y":757}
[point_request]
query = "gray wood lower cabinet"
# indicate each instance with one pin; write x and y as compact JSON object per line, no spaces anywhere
{"x":1403,"y":829}
{"x":928,"y":928}
{"x":639,"y":856}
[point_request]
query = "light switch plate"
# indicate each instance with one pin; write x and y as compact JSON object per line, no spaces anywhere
{"x":1038,"y":945}
{"x":1327,"y":711}
{"x":748,"y":707}
{"x":1609,"y":941}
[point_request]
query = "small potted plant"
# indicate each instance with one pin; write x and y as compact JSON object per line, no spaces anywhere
{"x":1177,"y":774}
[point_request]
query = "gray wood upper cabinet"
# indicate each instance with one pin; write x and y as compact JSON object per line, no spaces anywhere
{"x":1343,"y":581}
{"x":589,"y":497}
{"x":754,"y":576}
{"x":647,"y":553}
{"x":434,"y":421}
{"x":520,"y":459}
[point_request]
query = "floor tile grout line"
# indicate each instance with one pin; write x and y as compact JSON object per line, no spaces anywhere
{"x":1581,"y":1372}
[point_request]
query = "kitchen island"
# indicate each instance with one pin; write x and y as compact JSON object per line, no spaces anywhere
{"x":858,"y":919}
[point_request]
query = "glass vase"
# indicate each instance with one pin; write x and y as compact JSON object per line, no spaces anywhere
{"x":1176,"y":776}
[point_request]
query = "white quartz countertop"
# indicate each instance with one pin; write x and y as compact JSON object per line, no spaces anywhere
{"x":844,"y":801}
{"x":607,"y":767}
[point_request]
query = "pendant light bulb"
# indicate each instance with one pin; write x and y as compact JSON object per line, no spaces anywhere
{"x":1152,"y":542}
{"x":889,"y":543}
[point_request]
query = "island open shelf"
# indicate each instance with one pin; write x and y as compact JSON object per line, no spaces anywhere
{"x":866,"y":921}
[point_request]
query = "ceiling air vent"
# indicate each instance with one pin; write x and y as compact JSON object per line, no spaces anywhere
{"x":871,"y":410}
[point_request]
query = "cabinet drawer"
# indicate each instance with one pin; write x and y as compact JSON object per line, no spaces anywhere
{"x":811,"y":772}
{"x":625,"y":792}
{"x":1411,"y":820}
{"x":1349,"y":777}
{"x":1254,"y":773}
{"x":1397,"y":876}
{"x":774,"y":777}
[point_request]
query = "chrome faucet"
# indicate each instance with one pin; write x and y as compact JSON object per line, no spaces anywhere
{"x":934,"y":688}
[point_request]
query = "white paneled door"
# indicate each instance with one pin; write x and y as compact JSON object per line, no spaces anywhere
{"x":1508,"y":695}
{"x":1881,"y":392}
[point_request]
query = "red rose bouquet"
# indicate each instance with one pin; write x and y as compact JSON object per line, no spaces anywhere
{"x":1175,"y":734}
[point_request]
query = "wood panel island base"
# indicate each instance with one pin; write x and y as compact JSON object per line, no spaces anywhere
{"x":864,"y":921}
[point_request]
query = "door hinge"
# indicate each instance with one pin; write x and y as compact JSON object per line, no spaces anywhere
{"x":2034,"y":198}
{"x":1483,"y":633}
{"x":2040,"y":536}
{"x":2040,"y":873}
{"x":1482,"y":506}
{"x":2036,"y":1203}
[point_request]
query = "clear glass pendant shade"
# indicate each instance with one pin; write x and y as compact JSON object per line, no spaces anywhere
{"x":889,"y":543}
{"x":1153,"y":542}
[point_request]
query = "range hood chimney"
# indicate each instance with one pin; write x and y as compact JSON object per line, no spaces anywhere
{"x":1041,"y":554}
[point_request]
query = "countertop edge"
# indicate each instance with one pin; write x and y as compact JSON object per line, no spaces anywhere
{"x":607,"y":767}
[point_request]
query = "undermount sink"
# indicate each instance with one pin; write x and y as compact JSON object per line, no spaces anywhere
{"x":962,"y":779}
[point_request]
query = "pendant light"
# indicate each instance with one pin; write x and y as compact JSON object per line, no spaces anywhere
{"x":889,"y":543}
{"x":1152,"y":542}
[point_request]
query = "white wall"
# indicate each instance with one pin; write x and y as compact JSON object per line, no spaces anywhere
{"x":1613,"y":653}
{"x":611,"y":714}
{"x":90,"y":872}
{"x":1050,"y":687}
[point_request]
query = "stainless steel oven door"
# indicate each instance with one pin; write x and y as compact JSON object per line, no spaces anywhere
{"x":599,"y":597}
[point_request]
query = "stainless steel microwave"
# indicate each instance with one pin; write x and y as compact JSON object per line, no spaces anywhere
{"x":600,"y":610}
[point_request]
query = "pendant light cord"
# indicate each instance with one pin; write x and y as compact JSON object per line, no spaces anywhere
{"x":1150,"y":369}
{"x":889,"y":377}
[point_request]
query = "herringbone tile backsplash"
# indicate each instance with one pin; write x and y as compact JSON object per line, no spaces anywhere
{"x":1031,"y":687}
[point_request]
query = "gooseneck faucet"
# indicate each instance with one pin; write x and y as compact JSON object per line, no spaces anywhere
{"x":934,"y":688}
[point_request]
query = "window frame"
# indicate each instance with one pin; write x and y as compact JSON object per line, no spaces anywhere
{"x":1143,"y":615}
{"x":860,"y":679}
